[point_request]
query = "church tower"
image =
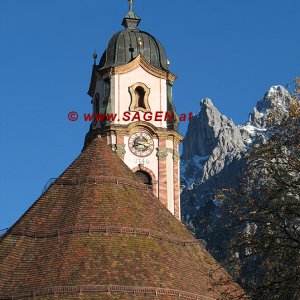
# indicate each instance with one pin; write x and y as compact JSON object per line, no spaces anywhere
{"x":131,"y":90}
{"x":99,"y":232}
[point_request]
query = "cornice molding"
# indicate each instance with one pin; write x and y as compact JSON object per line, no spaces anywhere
{"x":162,"y":133}
{"x":139,"y":61}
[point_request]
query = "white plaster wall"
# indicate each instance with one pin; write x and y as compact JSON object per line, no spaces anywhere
{"x":169,"y":144}
{"x":120,"y":100}
{"x":150,"y":162}
{"x":121,"y":97}
{"x":170,"y":183}
{"x":111,"y":139}
{"x":179,"y":206}
{"x":170,"y":177}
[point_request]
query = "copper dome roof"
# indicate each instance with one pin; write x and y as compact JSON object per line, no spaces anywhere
{"x":126,"y":45}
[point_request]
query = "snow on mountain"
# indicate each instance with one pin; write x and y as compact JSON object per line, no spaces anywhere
{"x":277,"y":99}
{"x":273,"y":106}
{"x":212,"y":159}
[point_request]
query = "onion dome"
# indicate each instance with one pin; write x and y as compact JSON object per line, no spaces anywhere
{"x":126,"y":45}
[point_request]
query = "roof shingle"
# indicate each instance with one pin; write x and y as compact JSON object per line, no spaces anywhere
{"x":99,"y":232}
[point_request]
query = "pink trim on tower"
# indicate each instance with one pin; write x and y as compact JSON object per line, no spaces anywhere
{"x":119,"y":95}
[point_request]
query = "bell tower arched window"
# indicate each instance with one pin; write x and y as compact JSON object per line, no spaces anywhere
{"x":139,"y":97}
{"x":140,"y":94}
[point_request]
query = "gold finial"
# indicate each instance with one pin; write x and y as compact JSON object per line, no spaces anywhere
{"x":95,"y":57}
{"x":131,"y":20}
{"x":130,"y":5}
{"x":140,"y":43}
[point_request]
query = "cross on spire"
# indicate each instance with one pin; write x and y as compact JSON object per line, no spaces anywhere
{"x":130,"y":5}
{"x":131,"y":20}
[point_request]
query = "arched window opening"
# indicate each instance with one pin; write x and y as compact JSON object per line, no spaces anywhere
{"x":139,"y":97}
{"x":146,"y":178}
{"x":140,"y":94}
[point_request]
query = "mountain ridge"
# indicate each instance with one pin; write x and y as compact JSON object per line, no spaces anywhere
{"x":213,"y":159}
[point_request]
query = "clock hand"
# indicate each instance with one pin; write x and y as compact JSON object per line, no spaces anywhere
{"x":146,"y":143}
{"x":143,"y":143}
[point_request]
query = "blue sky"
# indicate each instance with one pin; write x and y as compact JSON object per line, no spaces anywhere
{"x":231,"y":51}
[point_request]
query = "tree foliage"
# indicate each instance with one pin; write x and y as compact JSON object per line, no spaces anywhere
{"x":265,"y":253}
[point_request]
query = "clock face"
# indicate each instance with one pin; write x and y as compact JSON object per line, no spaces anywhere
{"x":141,"y":144}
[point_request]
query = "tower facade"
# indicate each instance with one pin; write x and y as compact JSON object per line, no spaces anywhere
{"x":131,"y":90}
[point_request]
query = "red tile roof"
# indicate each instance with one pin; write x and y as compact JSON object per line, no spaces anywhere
{"x":99,"y":232}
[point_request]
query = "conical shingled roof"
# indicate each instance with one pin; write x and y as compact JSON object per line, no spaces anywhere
{"x":99,"y":233}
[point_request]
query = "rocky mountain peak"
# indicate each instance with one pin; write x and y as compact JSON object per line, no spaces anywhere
{"x":268,"y":111}
{"x":206,"y":102}
{"x":213,"y":151}
{"x":276,"y":100}
{"x":212,"y":142}
{"x":207,"y":130}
